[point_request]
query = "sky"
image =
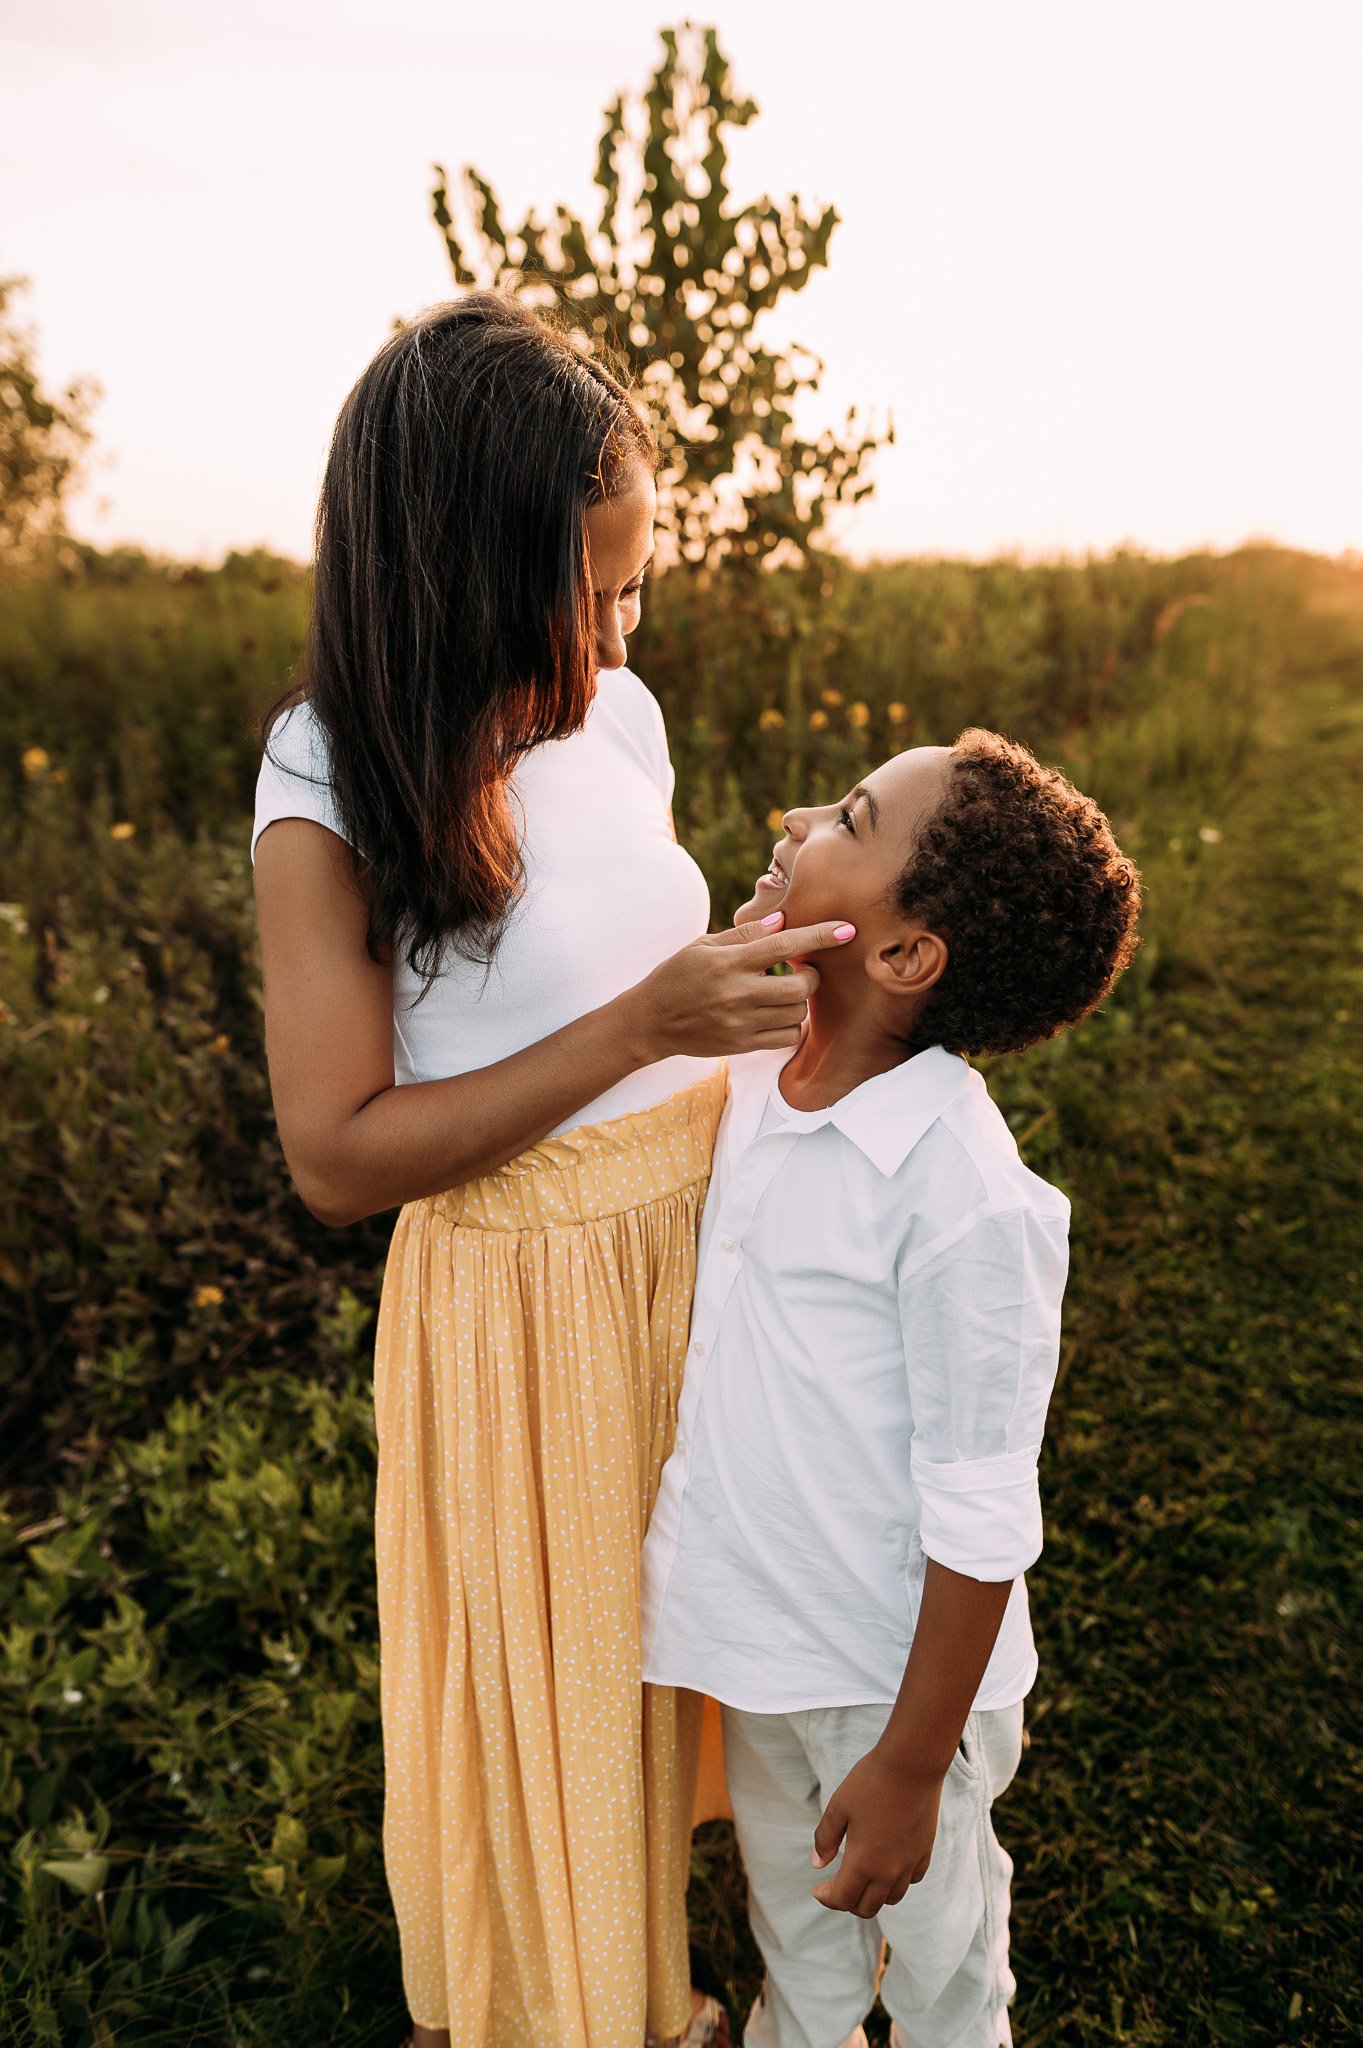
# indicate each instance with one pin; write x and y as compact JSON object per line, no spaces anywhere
{"x":1101,"y":260}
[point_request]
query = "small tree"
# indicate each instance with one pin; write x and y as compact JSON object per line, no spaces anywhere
{"x":42,"y":441}
{"x":673,"y":280}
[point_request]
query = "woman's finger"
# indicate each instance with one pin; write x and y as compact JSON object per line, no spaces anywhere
{"x":768,"y":947}
{"x":806,"y":938}
{"x":786,"y":1017}
{"x":766,"y":997}
{"x":763,"y":987}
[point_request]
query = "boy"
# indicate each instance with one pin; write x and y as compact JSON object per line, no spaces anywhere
{"x":840,"y":1537}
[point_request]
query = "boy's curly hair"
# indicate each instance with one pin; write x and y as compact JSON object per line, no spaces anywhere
{"x":1022,"y":877}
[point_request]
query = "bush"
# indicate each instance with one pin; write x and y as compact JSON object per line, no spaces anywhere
{"x":189,"y":1713}
{"x":150,"y":1241}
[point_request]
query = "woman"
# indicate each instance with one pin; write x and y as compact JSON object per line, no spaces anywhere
{"x":489,"y":1001}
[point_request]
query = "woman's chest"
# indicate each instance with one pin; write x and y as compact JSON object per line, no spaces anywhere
{"x":597,"y":844}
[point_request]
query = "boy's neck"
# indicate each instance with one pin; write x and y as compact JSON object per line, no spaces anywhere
{"x":845,"y":1043}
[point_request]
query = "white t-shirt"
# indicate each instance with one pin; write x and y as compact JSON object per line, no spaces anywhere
{"x":608,"y":895}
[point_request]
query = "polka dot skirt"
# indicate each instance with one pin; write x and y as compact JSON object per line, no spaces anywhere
{"x":529,"y":1358}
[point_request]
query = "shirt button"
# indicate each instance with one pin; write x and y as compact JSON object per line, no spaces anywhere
{"x":680,"y":1444}
{"x":699,"y":1348}
{"x":726,"y":1244}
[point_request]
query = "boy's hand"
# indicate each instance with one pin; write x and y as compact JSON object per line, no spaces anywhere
{"x":889,"y":1816}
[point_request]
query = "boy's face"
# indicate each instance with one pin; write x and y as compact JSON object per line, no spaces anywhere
{"x":843,"y":859}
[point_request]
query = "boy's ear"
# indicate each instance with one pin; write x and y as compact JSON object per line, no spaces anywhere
{"x":910,"y":964}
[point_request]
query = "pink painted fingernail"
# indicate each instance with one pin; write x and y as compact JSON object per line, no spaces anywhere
{"x":769,"y":924}
{"x":844,"y":931}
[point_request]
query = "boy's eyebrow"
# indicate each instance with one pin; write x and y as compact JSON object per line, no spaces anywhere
{"x":872,"y":807}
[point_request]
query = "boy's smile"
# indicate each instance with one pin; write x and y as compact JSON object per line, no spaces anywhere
{"x":843,"y":859}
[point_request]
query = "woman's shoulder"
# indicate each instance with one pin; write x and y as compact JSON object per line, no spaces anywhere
{"x":636,"y":715}
{"x":629,"y":698}
{"x":295,"y":773}
{"x":297,"y":743}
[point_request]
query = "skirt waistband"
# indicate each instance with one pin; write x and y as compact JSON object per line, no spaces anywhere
{"x":597,"y":1170}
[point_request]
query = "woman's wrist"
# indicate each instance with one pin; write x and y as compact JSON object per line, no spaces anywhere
{"x":633,"y":1025}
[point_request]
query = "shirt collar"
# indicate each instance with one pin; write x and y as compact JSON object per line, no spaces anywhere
{"x":886,"y":1116}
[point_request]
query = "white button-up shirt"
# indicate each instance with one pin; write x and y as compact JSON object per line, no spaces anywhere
{"x":873,"y":1346}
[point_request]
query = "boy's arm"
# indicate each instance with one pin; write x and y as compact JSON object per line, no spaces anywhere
{"x":887,"y":1804}
{"x":980,"y":1309}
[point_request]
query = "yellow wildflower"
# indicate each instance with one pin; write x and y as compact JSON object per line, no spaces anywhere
{"x":36,"y":762}
{"x":60,"y":775}
{"x":770,"y":720}
{"x":897,"y":713}
{"x":858,"y":716}
{"x":818,"y":721}
{"x":208,"y":1296}
{"x":776,"y":821}
{"x":124,"y":829}
{"x":832,"y":696}
{"x":220,"y":1045}
{"x":1209,"y":835}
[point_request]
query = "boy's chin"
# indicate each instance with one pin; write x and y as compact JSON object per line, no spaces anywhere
{"x":767,"y":901}
{"x":760,"y":905}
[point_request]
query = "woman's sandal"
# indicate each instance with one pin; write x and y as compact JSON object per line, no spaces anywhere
{"x":709,"y":2026}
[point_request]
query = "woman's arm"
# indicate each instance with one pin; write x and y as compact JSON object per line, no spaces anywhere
{"x":357,"y":1144}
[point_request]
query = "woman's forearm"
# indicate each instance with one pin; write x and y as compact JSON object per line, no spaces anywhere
{"x":418,"y":1139}
{"x":357,"y":1144}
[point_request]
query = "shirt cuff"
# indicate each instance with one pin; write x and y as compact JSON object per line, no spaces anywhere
{"x":981,"y":1517}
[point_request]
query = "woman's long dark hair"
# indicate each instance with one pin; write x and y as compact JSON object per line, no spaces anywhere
{"x":451,"y":625}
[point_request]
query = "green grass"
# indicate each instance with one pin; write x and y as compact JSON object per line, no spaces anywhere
{"x":1188,"y":1822}
{"x":187,"y":1699}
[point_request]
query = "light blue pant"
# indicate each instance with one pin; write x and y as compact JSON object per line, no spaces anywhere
{"x":947,"y":1984}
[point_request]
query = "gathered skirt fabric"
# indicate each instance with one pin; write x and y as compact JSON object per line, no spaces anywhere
{"x":529,"y":1358}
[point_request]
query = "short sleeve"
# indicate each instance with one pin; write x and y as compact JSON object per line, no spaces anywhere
{"x":295,"y":775}
{"x":981,"y":1319}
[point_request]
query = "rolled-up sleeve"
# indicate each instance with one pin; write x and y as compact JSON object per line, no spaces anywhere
{"x":980,"y":1309}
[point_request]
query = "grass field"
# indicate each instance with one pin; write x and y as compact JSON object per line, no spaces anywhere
{"x":1188,"y":1822}
{"x":187,"y":1703}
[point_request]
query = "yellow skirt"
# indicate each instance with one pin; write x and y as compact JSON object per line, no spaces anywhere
{"x":539,"y":1797}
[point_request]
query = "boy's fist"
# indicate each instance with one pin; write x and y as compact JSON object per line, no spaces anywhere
{"x":889,"y":1818}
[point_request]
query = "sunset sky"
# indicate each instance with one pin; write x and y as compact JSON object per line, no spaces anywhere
{"x":1102,"y":259}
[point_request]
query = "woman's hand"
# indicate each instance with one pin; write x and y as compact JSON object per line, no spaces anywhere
{"x":718,"y":995}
